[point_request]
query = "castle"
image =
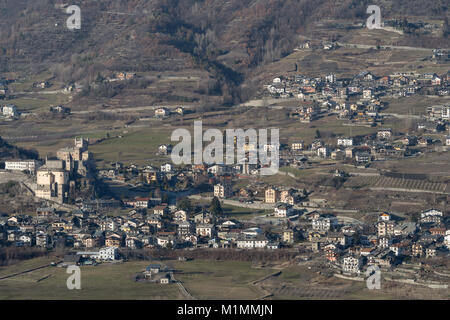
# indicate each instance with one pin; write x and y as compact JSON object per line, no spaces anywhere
{"x":54,"y":177}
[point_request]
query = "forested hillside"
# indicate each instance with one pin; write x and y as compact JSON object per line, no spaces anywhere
{"x":227,"y":39}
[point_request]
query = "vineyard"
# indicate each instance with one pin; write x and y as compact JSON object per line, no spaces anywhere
{"x":306,"y":292}
{"x":380,"y":182}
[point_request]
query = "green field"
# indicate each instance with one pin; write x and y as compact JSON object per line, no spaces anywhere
{"x":107,"y":281}
{"x":242,"y":213}
{"x":221,"y":279}
{"x":203,"y":279}
{"x":138,"y":147}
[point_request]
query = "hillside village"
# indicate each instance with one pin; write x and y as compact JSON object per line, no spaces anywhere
{"x":185,"y":208}
{"x":97,"y":97}
{"x":293,"y":221}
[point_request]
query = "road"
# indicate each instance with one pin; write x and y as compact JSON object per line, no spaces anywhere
{"x":368,"y":46}
{"x":42,"y":92}
{"x":401,"y":116}
{"x":115,"y":110}
{"x":268,"y":206}
{"x":183,"y":290}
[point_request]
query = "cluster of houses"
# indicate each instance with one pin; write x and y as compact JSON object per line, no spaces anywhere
{"x":383,"y":145}
{"x":160,"y":226}
{"x":386,"y":243}
{"x":105,"y":254}
{"x":349,"y":246}
{"x":157,"y":273}
{"x":155,"y":222}
{"x":357,"y":99}
{"x":364,"y":85}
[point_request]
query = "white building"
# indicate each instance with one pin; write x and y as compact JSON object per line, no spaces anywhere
{"x":384,"y":242}
{"x":10,"y":110}
{"x":252,"y":232}
{"x":26,"y":239}
{"x":396,"y":249}
{"x":384,"y":216}
{"x":447,"y":239}
{"x":162,"y":112}
{"x":222,"y":190}
{"x":217,"y":169}
{"x":367,"y":94}
{"x":297,"y":145}
{"x":21,"y":165}
{"x":384,"y":134}
{"x":351,"y":264}
{"x":107,"y":253}
{"x":108,"y":225}
{"x":346,"y":142}
{"x":362,"y":157}
{"x":445,"y":113}
{"x":167,"y":167}
{"x":323,"y":152}
{"x":204,"y":230}
{"x":321,"y":224}
{"x":430,"y":213}
{"x":131,"y":242}
{"x":283,"y":210}
{"x":164,"y":241}
{"x":180,"y":215}
{"x":331,"y":78}
{"x":252,"y":242}
{"x":41,"y":239}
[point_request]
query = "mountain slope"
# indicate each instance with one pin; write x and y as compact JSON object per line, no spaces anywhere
{"x":225,"y":39}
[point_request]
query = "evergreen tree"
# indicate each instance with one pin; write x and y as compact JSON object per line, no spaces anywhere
{"x":318,"y":135}
{"x":185,"y":204}
{"x":216,"y":208}
{"x":446,"y":27}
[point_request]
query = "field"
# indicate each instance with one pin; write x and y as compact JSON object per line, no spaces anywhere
{"x":348,"y":59}
{"x":221,"y":279}
{"x":300,"y":282}
{"x":396,"y":183}
{"x":436,"y":165}
{"x":203,"y":279}
{"x":138,"y":147}
{"x":108,"y":281}
{"x":234,"y":212}
{"x":242,"y":213}
{"x":416,"y":105}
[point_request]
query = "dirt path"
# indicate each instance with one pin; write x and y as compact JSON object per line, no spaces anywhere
{"x":367,"y":46}
{"x":182,"y":288}
{"x":267,"y":294}
{"x":23,"y":272}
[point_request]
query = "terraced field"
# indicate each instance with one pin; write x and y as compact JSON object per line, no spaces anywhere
{"x":387,"y":183}
{"x":308,"y":293}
